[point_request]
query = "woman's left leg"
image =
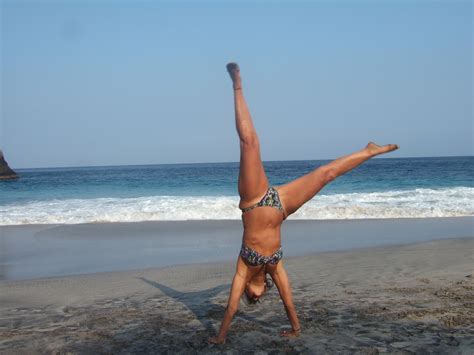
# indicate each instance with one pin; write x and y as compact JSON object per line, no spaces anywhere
{"x":253,"y":182}
{"x":294,"y":194}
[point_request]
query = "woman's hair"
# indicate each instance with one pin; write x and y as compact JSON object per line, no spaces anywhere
{"x":268,"y":281}
{"x":268,"y":285}
{"x":249,"y":300}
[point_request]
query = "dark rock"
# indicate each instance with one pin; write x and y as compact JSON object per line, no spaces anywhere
{"x":5,"y":172}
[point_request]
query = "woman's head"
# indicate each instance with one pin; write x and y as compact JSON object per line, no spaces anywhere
{"x":255,"y":290}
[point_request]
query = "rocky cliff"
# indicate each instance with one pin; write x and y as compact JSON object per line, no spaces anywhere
{"x":5,"y":171}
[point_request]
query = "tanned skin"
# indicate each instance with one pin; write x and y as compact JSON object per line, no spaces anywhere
{"x":262,"y":225}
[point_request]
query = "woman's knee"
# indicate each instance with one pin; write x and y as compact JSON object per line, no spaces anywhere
{"x":328,"y":174}
{"x":249,"y":141}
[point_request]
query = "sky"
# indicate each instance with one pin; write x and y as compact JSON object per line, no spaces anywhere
{"x":144,"y":82}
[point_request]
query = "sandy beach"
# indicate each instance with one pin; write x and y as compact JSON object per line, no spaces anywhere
{"x":416,"y":297}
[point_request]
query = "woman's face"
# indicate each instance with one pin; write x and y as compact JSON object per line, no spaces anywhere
{"x":255,"y":290}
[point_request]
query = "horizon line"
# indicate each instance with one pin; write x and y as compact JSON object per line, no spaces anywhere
{"x":224,"y":162}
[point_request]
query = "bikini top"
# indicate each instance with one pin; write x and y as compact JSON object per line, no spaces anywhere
{"x":271,"y":199}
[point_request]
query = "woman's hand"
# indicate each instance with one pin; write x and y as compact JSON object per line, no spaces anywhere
{"x":216,"y":340}
{"x":291,"y":333}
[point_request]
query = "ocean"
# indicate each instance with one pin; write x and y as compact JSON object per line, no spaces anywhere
{"x":380,"y":188}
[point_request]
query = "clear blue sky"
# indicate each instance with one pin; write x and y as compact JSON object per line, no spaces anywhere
{"x":144,"y":82}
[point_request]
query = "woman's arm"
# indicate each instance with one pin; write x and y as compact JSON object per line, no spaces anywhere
{"x":280,"y":277}
{"x":237,"y":289}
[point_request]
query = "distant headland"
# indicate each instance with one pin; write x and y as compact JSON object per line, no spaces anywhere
{"x":6,"y":173}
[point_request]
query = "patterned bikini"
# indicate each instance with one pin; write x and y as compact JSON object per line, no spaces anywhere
{"x":252,"y":257}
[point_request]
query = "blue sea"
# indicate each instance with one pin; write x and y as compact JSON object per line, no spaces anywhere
{"x":380,"y":188}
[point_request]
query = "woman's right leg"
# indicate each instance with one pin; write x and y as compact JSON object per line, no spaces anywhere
{"x":297,"y":192}
{"x":253,"y":182}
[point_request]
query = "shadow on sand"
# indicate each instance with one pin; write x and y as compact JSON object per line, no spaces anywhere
{"x":198,"y":302}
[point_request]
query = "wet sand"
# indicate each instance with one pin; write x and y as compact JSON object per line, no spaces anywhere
{"x":387,"y":299}
{"x":39,"y":251}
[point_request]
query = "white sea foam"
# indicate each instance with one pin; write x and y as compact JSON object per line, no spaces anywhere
{"x":446,"y":202}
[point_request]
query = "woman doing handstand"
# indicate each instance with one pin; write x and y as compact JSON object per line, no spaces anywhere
{"x":264,"y":208}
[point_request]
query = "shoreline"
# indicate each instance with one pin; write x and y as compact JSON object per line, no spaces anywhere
{"x":414,"y":298}
{"x":232,"y":220}
{"x":38,"y":251}
{"x":112,"y":273}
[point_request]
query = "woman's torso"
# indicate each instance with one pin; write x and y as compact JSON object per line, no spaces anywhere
{"x":262,"y":229}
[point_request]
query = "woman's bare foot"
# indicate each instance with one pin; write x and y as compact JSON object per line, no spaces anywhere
{"x":234,"y":72}
{"x":290,"y":333}
{"x":375,"y":149}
